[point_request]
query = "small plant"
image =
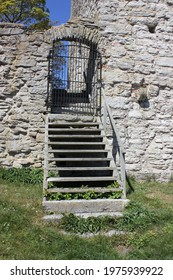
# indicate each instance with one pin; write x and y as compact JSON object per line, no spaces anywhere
{"x":113,"y":185}
{"x":86,"y":195}
{"x":150,"y":178}
{"x":75,"y":224}
{"x":136,"y":217}
{"x":142,"y":240}
{"x":22,"y":175}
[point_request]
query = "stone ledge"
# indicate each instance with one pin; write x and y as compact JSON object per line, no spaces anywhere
{"x":88,"y":207}
{"x":58,"y":217}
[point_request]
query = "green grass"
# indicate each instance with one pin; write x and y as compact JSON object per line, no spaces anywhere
{"x":147,"y":223}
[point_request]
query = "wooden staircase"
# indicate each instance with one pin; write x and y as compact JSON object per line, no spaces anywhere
{"x":76,"y":153}
{"x":77,"y":160}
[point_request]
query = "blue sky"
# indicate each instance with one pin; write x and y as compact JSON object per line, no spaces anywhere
{"x":59,"y":10}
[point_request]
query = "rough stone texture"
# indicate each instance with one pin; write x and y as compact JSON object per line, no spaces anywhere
{"x":101,"y":206}
{"x":23,"y":82}
{"x":135,"y":39}
{"x":76,"y":28}
{"x":136,"y":42}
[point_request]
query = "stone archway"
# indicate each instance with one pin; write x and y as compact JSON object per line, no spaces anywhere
{"x":74,"y":83}
{"x":83,"y":29}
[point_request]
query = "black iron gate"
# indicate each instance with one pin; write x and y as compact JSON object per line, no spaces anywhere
{"x":74,"y":78}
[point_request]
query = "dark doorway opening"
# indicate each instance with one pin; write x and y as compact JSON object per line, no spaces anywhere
{"x":74,"y":78}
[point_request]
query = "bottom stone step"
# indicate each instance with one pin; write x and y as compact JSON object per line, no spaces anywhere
{"x":98,"y":206}
{"x":58,"y":217}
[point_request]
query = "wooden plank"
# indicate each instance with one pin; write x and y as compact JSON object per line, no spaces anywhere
{"x":80,"y":168}
{"x":77,"y":143}
{"x":77,"y":151}
{"x":80,"y":179}
{"x":74,"y":136}
{"x":79,"y":159}
{"x":82,"y":190}
{"x":74,"y":130}
{"x":74,"y":123}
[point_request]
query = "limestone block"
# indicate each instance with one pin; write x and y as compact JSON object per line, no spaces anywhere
{"x":118,"y":103}
{"x":115,"y":76}
{"x":164,"y":61}
{"x":40,"y":137}
{"x":20,"y":162}
{"x":14,"y":146}
{"x":7,"y":162}
{"x":37,"y":165}
{"x":135,"y":114}
{"x":152,"y":91}
{"x":125,"y":64}
{"x":24,"y":61}
{"x":32,"y":134}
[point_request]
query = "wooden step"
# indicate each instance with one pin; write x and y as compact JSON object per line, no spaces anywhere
{"x":77,"y":151}
{"x":74,"y":136}
{"x":79,"y":159}
{"x":82,"y":190}
{"x":76,"y":143}
{"x":80,"y":169}
{"x":74,"y":124}
{"x":80,"y":179}
{"x":74,"y":130}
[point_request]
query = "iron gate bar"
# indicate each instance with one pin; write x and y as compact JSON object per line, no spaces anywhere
{"x":74,"y":73}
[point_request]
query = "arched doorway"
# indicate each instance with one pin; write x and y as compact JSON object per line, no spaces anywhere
{"x":74,"y":78}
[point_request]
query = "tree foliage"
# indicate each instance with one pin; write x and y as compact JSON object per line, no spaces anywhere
{"x":32,"y":13}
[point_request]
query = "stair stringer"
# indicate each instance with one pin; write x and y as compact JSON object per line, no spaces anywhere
{"x":110,"y":153}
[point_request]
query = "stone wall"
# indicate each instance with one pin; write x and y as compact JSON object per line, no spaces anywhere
{"x":137,"y":50}
{"x":137,"y":53}
{"x":87,"y":8}
{"x":23,"y":83}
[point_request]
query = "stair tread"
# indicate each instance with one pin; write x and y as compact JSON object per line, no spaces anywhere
{"x":80,"y":168}
{"x":75,"y":123}
{"x":79,"y":159}
{"x":75,"y":129}
{"x":77,"y":151}
{"x":74,"y":136}
{"x":82,"y":190}
{"x":75,"y":143}
{"x":82,"y":179}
